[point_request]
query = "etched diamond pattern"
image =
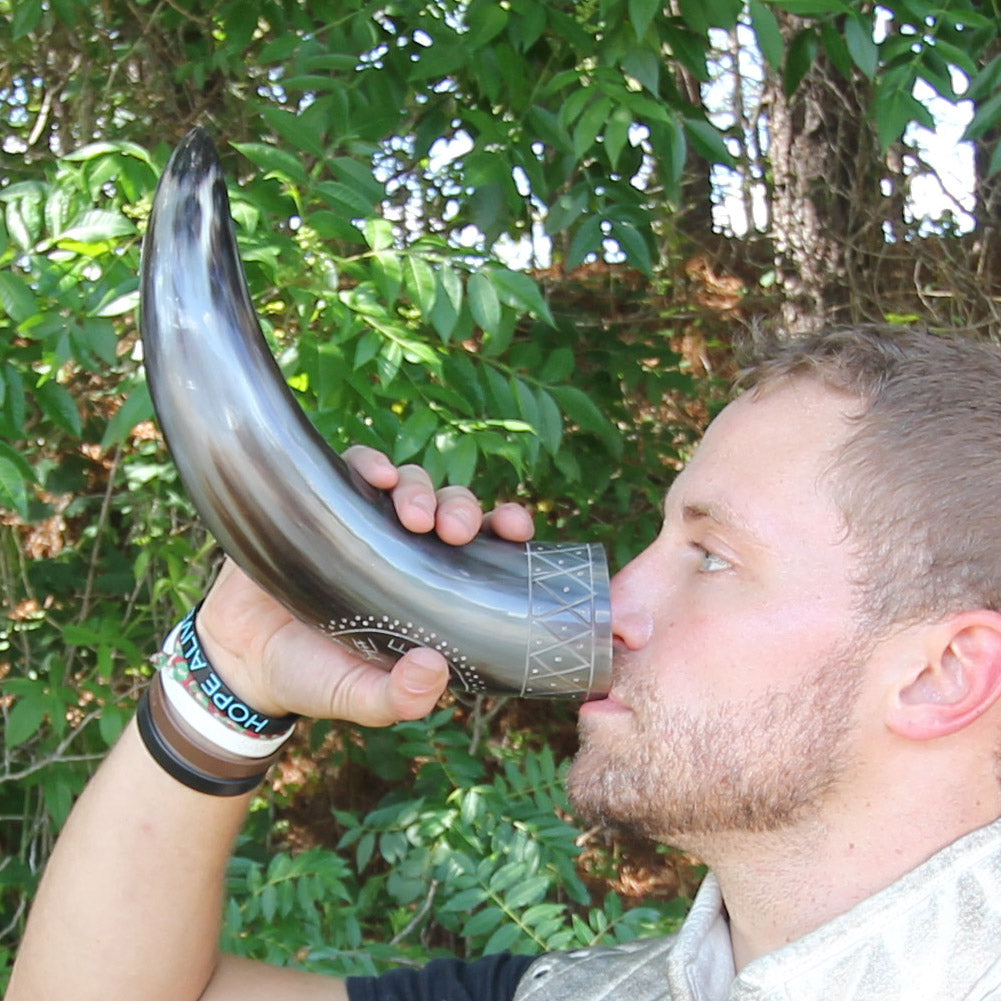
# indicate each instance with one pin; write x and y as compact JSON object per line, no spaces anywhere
{"x":561,"y":607}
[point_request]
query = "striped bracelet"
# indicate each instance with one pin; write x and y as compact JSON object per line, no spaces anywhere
{"x":197,"y":730}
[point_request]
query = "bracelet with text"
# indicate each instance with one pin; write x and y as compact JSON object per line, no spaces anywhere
{"x":197,"y":730}
{"x":186,"y":642}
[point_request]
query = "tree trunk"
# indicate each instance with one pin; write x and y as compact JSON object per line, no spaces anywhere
{"x":827,"y":209}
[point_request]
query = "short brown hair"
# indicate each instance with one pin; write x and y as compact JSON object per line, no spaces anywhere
{"x":919,"y":479}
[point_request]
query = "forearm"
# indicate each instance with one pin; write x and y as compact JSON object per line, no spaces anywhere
{"x":131,"y":901}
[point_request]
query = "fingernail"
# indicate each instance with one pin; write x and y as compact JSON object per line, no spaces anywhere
{"x":423,"y":675}
{"x":424,"y":503}
{"x":464,"y":517}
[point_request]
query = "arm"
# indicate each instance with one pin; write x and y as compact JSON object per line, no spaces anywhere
{"x":130,"y":905}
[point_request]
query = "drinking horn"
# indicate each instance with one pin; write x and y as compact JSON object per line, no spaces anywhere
{"x":527,"y":619}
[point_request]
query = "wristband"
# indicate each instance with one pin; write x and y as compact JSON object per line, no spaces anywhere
{"x":184,"y":640}
{"x":183,"y":756}
{"x":197,"y":712}
{"x":197,"y":730}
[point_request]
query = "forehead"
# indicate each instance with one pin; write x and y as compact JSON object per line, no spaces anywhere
{"x":767,"y":456}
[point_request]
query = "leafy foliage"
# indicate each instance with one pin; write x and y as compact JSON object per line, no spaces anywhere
{"x":429,"y":352}
{"x":390,"y":163}
{"x":472,"y":856}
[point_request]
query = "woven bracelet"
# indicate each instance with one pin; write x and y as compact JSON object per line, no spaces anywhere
{"x":197,"y":730}
{"x":181,"y":757}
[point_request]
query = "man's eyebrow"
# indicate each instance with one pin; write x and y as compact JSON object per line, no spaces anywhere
{"x":720,"y":514}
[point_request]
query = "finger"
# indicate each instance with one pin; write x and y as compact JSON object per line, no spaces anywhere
{"x":459,"y":516}
{"x":510,"y":521}
{"x":372,"y":465}
{"x":371,"y":696}
{"x":417,"y":682}
{"x":414,"y":499}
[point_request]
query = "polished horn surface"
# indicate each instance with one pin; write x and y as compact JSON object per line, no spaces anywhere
{"x":529,"y":619}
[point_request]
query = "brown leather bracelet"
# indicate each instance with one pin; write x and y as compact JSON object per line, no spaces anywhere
{"x":189,"y":757}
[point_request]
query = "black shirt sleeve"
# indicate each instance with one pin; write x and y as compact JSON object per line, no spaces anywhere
{"x":493,"y":978}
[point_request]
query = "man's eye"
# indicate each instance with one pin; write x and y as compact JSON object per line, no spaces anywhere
{"x":710,"y":562}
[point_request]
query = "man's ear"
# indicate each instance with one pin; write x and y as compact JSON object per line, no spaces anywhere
{"x":958,"y":682}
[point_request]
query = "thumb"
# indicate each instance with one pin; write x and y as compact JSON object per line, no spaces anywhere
{"x":416,"y":682}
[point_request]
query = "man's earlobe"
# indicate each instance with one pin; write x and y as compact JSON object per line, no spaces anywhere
{"x":959,"y":681}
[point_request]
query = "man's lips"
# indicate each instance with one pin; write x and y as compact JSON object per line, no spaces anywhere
{"x":608,"y":705}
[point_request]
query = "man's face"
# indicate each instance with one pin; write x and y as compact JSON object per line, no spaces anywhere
{"x":738,"y":661}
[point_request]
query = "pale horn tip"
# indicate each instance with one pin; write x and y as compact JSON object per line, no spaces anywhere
{"x":196,"y":156}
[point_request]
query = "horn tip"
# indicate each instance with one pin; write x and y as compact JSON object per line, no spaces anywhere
{"x":195,"y":157}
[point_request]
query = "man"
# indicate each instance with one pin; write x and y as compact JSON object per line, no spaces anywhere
{"x":806,"y":696}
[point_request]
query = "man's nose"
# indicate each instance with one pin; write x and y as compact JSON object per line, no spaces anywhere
{"x":632,"y":617}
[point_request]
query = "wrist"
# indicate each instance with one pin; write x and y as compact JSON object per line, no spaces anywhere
{"x":233,"y":668}
{"x":198,"y":730}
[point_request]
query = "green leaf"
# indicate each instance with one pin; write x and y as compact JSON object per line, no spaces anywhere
{"x":690,"y":49}
{"x":566,"y":209}
{"x":801,"y":56}
{"x":421,"y":284}
{"x":641,"y":14}
{"x":987,"y":115}
{"x":643,"y":65}
{"x":460,"y":461}
{"x":530,"y":891}
{"x":484,"y":302}
{"x":986,"y":82}
{"x":137,"y":407}
{"x":358,"y":175}
{"x":895,"y":110}
{"x":591,"y":123}
{"x":102,"y":148}
{"x":96,"y":226}
{"x":766,"y":28}
{"x":20,"y":225}
{"x":483,"y":922}
{"x":520,"y":291}
{"x":111,"y":723}
{"x":706,"y":138}
{"x":25,"y":717}
{"x":13,"y":491}
{"x":275,"y":162}
{"x":587,"y":240}
{"x":550,"y":426}
{"x":579,"y":407}
{"x":27,"y":14}
{"x":861,"y":45}
{"x":995,"y":163}
{"x":60,"y":407}
{"x":349,"y":200}
{"x":414,"y":434}
{"x":293,"y":128}
{"x":617,"y":135}
{"x":488,"y":22}
{"x":813,"y":8}
{"x":378,"y":233}
{"x":502,"y":939}
{"x":19,"y":461}
{"x":118,"y":305}
{"x":633,"y":246}
{"x":836,"y":49}
{"x":17,"y":300}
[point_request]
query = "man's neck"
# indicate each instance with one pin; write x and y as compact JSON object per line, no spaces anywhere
{"x":778,"y":887}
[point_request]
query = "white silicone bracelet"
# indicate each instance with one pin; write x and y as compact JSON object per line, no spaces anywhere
{"x":214,"y":729}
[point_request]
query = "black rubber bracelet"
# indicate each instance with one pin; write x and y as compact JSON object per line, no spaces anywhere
{"x":218,"y":692}
{"x":175,"y":766}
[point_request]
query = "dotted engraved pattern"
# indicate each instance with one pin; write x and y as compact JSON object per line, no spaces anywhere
{"x":561,"y":609}
{"x":374,"y":637}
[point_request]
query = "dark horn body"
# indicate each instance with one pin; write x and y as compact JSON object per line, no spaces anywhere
{"x":525,"y":619}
